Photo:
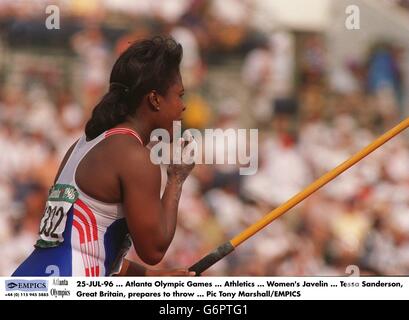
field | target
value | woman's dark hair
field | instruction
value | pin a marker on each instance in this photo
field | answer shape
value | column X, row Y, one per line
column 150, row 64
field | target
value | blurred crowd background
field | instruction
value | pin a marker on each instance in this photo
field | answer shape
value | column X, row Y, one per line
column 316, row 91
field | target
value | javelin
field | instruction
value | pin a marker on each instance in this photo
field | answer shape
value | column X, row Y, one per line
column 229, row 246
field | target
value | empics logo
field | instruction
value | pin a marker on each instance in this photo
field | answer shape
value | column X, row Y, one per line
column 26, row 285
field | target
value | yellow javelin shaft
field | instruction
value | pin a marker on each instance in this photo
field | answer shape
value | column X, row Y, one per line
column 229, row 246
column 317, row 184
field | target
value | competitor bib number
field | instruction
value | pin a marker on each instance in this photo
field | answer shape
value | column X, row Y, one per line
column 60, row 200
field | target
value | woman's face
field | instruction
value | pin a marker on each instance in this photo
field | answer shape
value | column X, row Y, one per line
column 172, row 106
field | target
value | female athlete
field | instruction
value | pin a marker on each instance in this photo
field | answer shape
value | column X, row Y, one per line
column 107, row 191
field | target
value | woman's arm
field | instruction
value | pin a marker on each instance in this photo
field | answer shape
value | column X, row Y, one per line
column 130, row 268
column 150, row 219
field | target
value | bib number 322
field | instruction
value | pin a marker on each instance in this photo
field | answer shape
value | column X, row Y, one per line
column 60, row 200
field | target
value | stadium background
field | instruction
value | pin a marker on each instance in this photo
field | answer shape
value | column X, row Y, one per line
column 316, row 91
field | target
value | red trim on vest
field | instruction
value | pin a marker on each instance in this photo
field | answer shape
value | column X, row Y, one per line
column 126, row 131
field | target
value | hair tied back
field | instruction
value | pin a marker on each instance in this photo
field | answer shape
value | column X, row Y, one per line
column 114, row 85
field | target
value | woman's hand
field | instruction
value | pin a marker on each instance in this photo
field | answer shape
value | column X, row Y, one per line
column 179, row 172
column 170, row 273
column 186, row 149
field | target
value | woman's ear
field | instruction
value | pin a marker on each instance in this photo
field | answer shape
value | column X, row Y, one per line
column 153, row 99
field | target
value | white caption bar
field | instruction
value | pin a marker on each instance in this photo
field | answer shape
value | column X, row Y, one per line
column 205, row 288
